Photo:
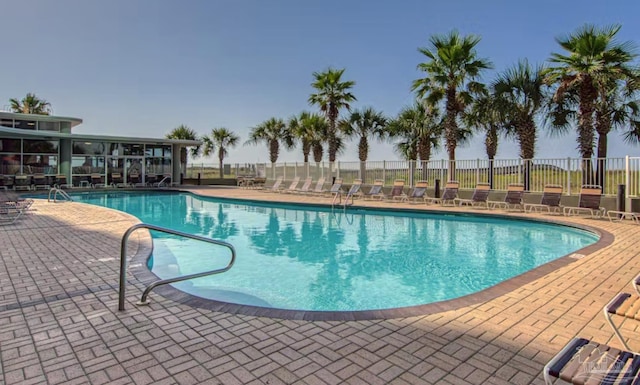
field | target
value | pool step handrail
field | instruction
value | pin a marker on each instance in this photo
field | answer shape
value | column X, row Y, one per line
column 153, row 285
column 163, row 181
column 55, row 191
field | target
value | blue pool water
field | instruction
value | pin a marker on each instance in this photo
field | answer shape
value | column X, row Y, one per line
column 313, row 259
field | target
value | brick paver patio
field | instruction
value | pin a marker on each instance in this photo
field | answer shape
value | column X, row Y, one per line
column 59, row 321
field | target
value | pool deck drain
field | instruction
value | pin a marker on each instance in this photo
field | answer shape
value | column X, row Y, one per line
column 59, row 321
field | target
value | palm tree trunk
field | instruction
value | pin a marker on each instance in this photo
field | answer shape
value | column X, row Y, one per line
column 363, row 152
column 527, row 139
column 221, row 158
column 491, row 145
column 585, row 129
column 333, row 143
column 451, row 131
column 603, row 126
column 274, row 149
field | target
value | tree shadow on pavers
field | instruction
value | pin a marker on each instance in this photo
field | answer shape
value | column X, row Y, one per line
column 65, row 249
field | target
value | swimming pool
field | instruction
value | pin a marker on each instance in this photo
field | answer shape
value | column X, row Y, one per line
column 310, row 258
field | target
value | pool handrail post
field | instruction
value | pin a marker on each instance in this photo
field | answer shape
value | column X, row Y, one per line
column 123, row 260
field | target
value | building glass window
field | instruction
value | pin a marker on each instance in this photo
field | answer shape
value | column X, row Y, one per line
column 25, row 124
column 6, row 122
column 40, row 146
column 49, row 126
column 88, row 148
column 132, row 149
column 158, row 151
column 10, row 145
column 40, row 164
column 9, row 164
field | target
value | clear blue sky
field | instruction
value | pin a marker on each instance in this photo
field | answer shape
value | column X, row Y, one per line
column 144, row 67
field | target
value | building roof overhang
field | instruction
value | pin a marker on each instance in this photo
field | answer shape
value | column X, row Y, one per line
column 48, row 135
column 42, row 118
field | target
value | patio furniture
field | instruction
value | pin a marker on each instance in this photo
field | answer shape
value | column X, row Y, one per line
column 583, row 361
column 479, row 197
column 375, row 192
column 513, row 199
column 589, row 202
column 449, row 195
column 550, row 201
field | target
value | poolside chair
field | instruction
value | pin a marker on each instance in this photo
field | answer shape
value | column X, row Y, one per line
column 8, row 182
column 626, row 306
column 417, row 193
column 619, row 216
column 305, row 186
column 513, row 199
column 376, row 191
column 22, row 182
column 61, row 181
column 319, row 189
column 116, row 180
column 550, row 200
column 292, row 187
column 589, row 202
column 397, row 191
column 9, row 199
column 96, row 181
column 9, row 215
column 151, row 179
column 583, row 361
column 276, row 185
column 354, row 190
column 336, row 187
column 449, row 195
column 479, row 197
column 134, row 179
column 40, row 181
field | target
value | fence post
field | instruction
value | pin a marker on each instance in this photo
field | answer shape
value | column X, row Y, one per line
column 284, row 171
column 295, row 169
column 384, row 170
column 627, row 182
column 443, row 170
column 568, row 176
column 477, row 170
column 337, row 169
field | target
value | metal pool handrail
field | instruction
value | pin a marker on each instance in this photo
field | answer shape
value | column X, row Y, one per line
column 55, row 191
column 123, row 261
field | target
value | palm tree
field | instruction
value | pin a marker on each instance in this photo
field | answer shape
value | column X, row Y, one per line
column 419, row 129
column 616, row 107
column 451, row 71
column 183, row 132
column 332, row 95
column 520, row 92
column 364, row 123
column 30, row 104
column 593, row 60
column 274, row 132
column 485, row 116
column 222, row 139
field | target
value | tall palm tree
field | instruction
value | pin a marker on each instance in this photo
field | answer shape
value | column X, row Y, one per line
column 364, row 123
column 304, row 128
column 616, row 107
column 520, row 90
column 274, row 132
column 419, row 129
column 30, row 104
column 452, row 71
column 183, row 132
column 332, row 94
column 485, row 116
column 594, row 58
column 222, row 139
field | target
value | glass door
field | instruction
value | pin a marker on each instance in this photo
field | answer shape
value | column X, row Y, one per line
column 133, row 171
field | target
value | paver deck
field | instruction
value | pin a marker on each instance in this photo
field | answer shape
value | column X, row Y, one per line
column 59, row 321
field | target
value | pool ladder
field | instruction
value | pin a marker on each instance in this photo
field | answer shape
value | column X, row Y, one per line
column 346, row 201
column 153, row 285
column 55, row 192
